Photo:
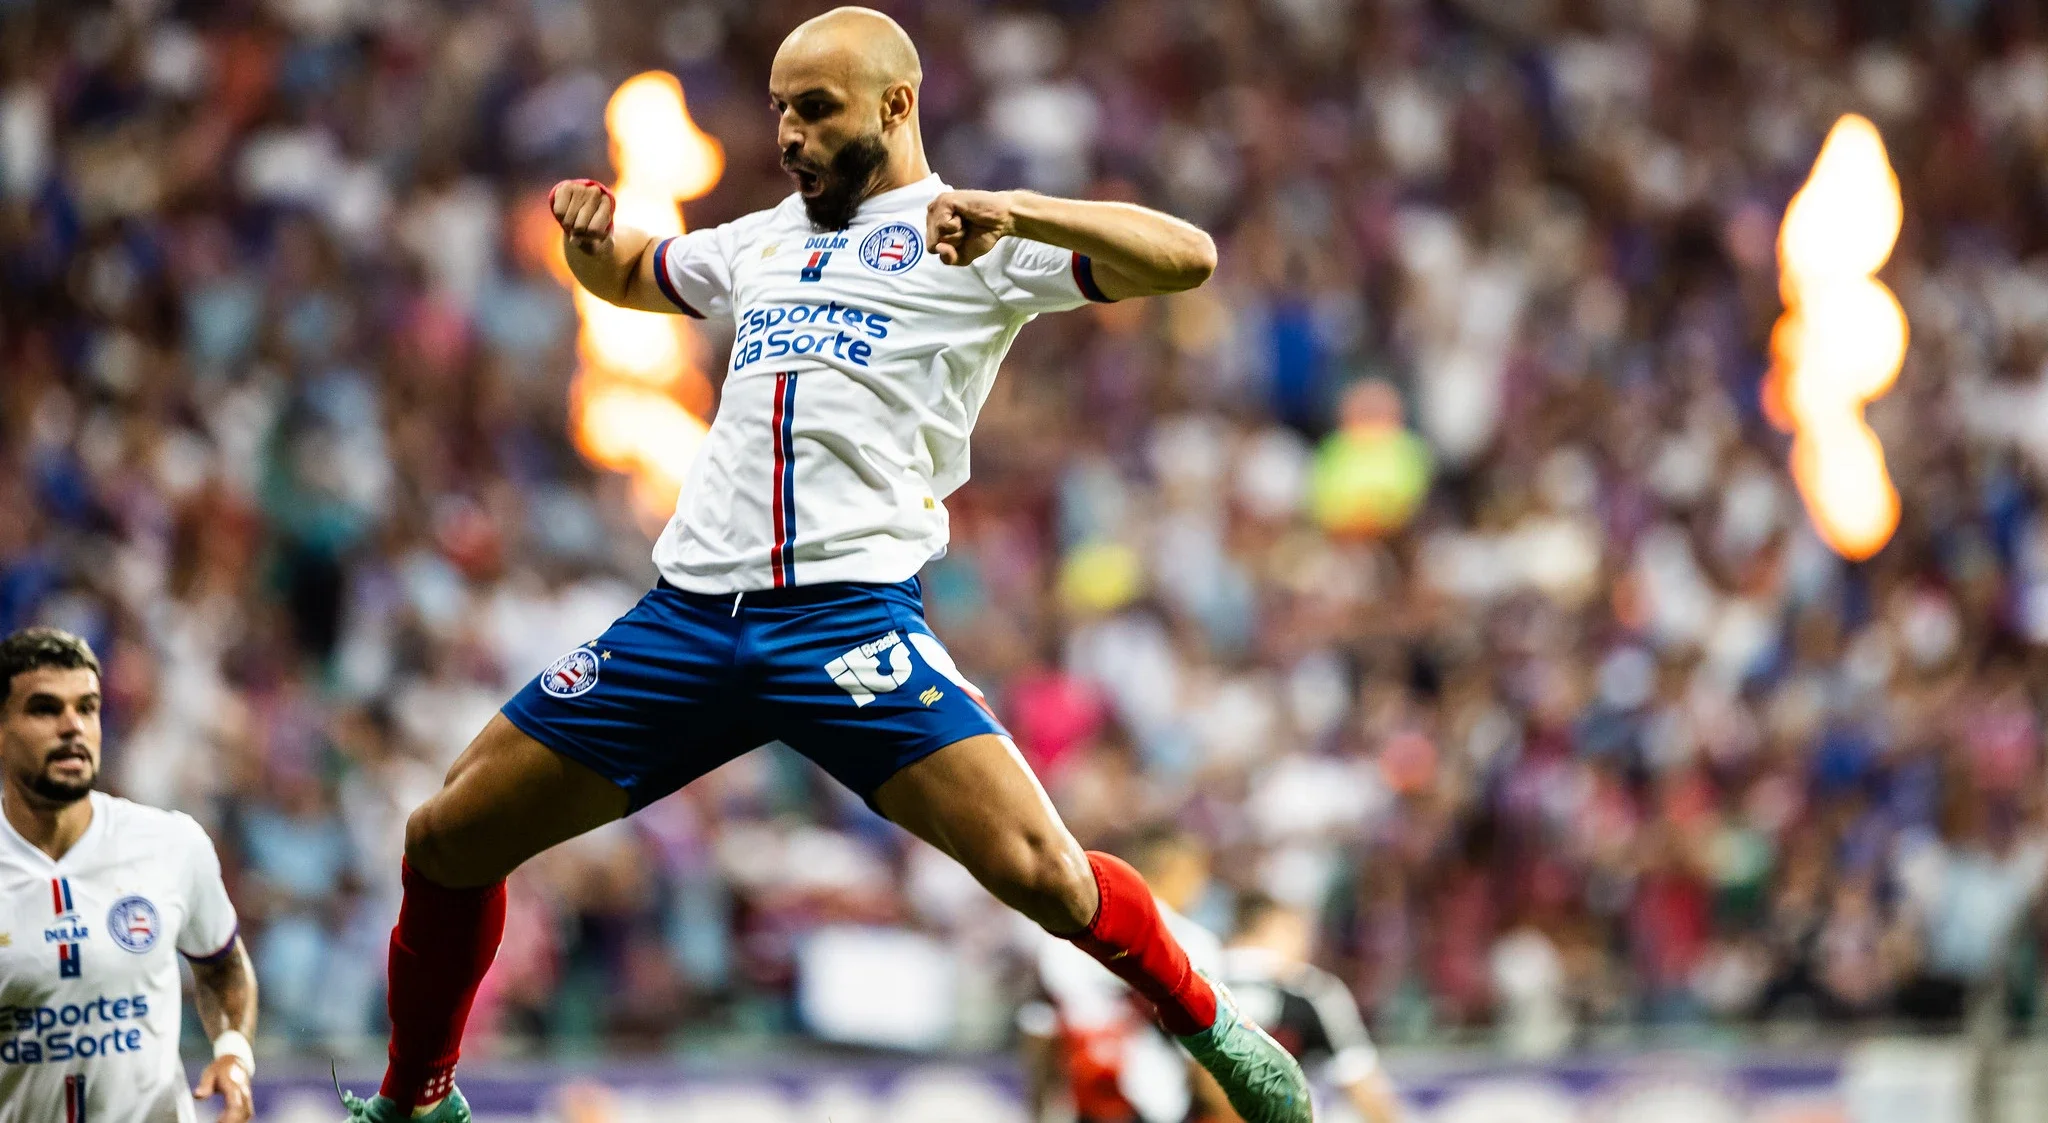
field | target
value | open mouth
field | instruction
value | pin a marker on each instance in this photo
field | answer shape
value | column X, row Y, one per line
column 808, row 183
column 69, row 758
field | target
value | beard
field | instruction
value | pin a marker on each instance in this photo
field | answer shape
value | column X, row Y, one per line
column 62, row 792
column 844, row 182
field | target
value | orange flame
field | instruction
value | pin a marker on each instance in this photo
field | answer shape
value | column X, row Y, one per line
column 637, row 402
column 1842, row 338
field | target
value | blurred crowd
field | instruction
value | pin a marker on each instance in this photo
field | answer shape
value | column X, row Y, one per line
column 1434, row 568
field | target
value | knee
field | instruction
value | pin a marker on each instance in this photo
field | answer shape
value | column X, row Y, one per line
column 424, row 849
column 1045, row 877
column 433, row 852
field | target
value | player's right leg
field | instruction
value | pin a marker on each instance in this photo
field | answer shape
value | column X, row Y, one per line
column 507, row 798
column 607, row 729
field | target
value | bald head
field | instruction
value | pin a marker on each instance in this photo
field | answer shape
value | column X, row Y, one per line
column 844, row 87
column 859, row 44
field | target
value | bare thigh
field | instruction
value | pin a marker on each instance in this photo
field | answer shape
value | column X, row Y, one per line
column 507, row 798
column 978, row 802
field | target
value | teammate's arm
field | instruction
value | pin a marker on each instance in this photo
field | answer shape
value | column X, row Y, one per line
column 615, row 263
column 1209, row 1105
column 225, row 992
column 1354, row 1065
column 1374, row 1098
column 1038, row 1052
column 1134, row 251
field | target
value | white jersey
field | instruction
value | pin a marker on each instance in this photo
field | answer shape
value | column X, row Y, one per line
column 89, row 945
column 859, row 362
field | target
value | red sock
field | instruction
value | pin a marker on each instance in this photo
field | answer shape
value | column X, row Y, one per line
column 1129, row 937
column 444, row 942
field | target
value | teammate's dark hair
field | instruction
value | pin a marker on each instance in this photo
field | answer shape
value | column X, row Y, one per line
column 32, row 649
column 1154, row 844
column 1253, row 907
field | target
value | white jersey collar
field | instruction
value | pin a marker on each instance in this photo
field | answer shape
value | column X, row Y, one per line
column 93, row 830
column 893, row 199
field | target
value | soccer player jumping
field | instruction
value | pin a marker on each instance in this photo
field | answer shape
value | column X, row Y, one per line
column 870, row 310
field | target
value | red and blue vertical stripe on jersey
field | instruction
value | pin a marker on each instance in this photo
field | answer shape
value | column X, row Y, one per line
column 69, row 960
column 815, row 271
column 782, row 507
column 74, row 1099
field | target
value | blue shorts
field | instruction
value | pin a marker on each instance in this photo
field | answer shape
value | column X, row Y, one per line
column 848, row 675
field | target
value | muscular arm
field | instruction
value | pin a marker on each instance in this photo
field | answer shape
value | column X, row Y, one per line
column 225, row 992
column 615, row 263
column 1134, row 251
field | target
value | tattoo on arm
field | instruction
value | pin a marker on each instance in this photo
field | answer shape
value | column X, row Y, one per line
column 225, row 991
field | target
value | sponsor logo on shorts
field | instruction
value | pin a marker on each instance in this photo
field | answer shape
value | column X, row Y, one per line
column 941, row 660
column 892, row 248
column 572, row 675
column 132, row 923
column 862, row 672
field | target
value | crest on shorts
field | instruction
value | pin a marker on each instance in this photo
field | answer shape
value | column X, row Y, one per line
column 892, row 248
column 132, row 923
column 571, row 675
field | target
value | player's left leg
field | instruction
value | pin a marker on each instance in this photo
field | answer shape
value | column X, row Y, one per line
column 978, row 801
column 853, row 678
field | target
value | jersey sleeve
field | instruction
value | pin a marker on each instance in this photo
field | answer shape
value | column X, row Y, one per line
column 1033, row 277
column 694, row 271
column 210, row 921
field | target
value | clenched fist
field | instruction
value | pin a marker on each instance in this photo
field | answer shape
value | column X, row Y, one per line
column 963, row 225
column 584, row 208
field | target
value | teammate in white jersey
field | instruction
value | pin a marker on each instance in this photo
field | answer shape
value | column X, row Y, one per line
column 98, row 899
column 870, row 310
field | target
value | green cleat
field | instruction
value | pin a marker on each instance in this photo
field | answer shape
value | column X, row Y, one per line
column 377, row 1109
column 1261, row 1081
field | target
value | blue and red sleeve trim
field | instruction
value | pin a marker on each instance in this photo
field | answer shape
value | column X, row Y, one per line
column 1084, row 279
column 668, row 287
column 213, row 957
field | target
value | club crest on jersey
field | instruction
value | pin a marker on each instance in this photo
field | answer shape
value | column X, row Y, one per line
column 891, row 248
column 132, row 923
column 572, row 675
